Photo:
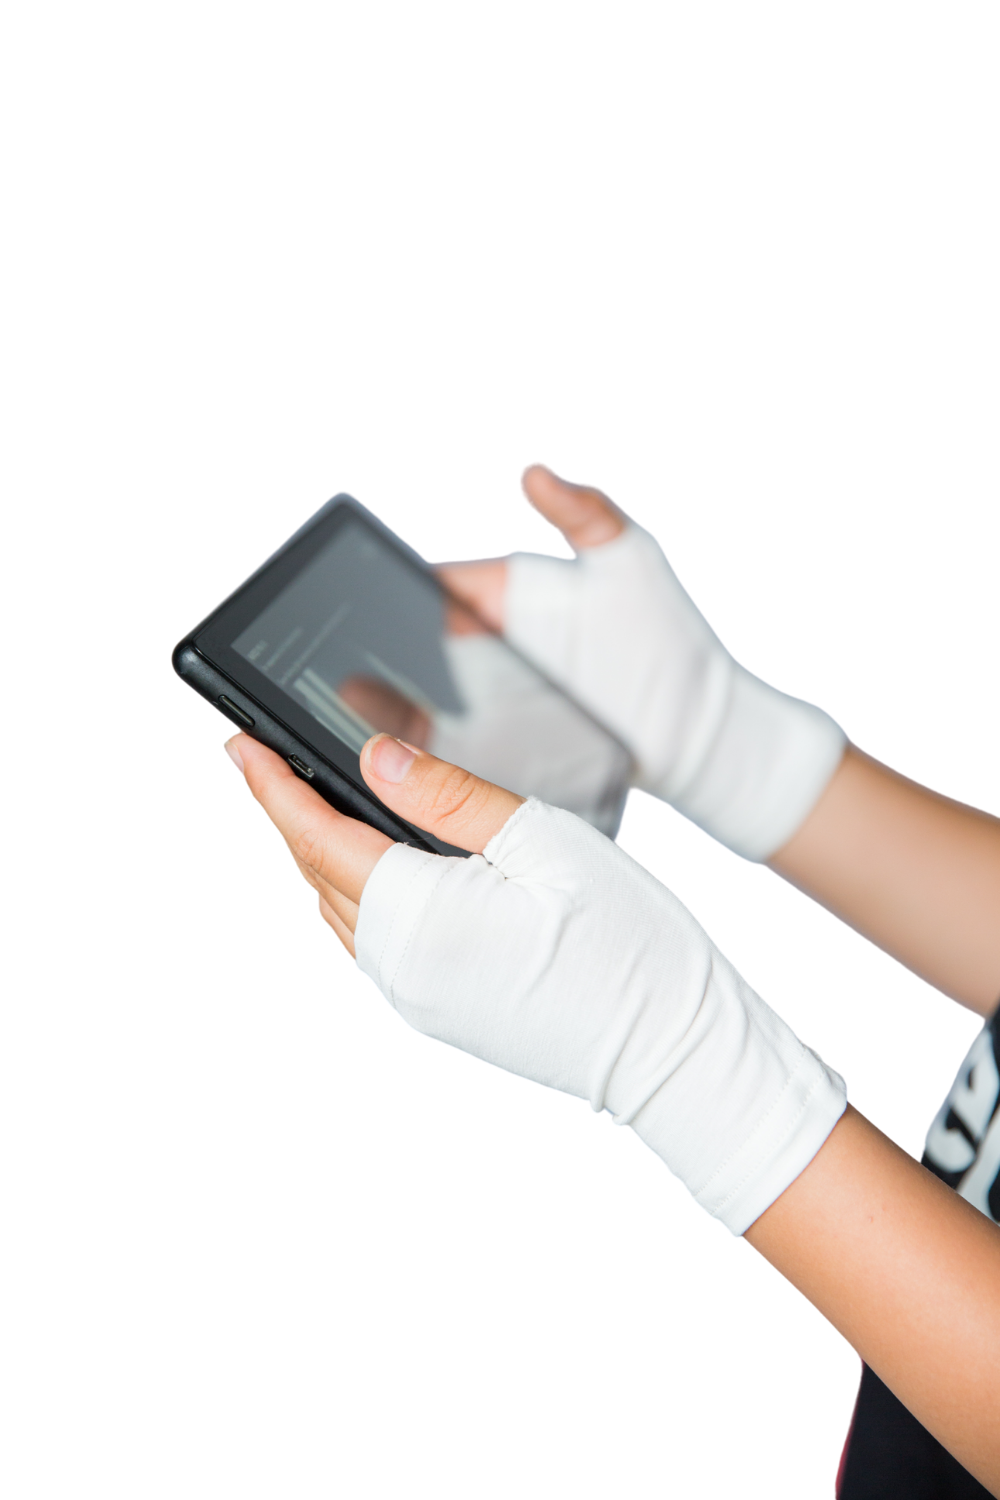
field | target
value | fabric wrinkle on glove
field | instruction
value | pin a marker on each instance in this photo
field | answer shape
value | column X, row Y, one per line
column 556, row 956
column 617, row 630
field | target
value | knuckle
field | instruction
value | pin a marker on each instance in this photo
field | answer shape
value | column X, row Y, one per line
column 457, row 796
column 308, row 847
column 308, row 875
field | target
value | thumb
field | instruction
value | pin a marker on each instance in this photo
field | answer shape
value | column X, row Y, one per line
column 585, row 517
column 440, row 798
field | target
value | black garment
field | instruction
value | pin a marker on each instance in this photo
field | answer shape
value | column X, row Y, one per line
column 889, row 1455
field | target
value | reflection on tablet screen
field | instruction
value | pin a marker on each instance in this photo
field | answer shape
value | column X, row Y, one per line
column 366, row 641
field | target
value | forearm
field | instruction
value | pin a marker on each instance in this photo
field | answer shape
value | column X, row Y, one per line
column 915, row 872
column 908, row 1272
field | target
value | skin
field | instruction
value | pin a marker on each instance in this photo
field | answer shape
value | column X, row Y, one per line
column 916, row 873
column 903, row 1267
column 908, row 1272
column 913, row 871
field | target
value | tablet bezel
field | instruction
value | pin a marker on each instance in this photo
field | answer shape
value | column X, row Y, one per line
column 213, row 640
column 207, row 661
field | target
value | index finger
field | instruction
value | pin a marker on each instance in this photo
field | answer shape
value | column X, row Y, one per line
column 342, row 851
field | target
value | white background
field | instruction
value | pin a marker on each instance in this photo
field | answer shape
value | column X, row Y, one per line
column 737, row 264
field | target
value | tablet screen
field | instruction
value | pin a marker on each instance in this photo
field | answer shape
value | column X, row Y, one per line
column 365, row 640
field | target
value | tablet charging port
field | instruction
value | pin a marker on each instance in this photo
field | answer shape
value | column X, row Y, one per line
column 301, row 767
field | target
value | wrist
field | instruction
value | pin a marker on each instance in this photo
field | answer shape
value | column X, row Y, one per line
column 767, row 766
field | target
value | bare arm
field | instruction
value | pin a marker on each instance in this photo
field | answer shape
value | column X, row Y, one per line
column 909, row 1273
column 915, row 872
column 903, row 1267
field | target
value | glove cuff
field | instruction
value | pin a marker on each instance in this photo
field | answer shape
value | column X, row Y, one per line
column 776, row 1141
column 766, row 768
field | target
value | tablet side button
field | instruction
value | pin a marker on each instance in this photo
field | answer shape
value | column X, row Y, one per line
column 236, row 714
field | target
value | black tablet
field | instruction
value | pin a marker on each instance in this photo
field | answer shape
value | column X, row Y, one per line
column 346, row 631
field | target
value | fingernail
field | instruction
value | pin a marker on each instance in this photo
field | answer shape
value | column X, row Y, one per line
column 235, row 756
column 390, row 759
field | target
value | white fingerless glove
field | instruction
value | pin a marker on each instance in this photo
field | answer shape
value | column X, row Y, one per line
column 556, row 956
column 617, row 630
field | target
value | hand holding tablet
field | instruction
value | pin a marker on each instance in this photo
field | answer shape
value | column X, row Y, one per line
column 551, row 953
column 345, row 632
